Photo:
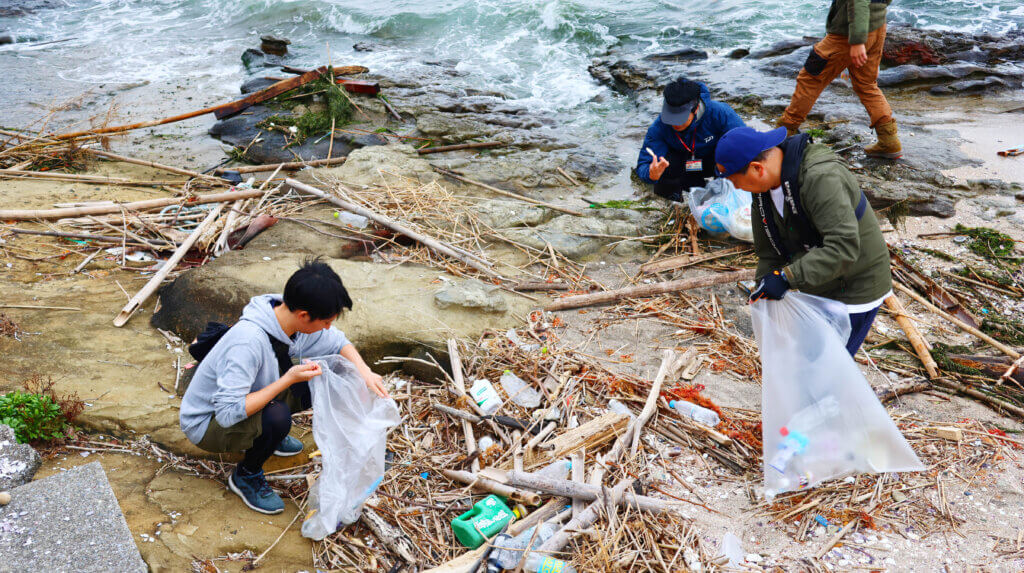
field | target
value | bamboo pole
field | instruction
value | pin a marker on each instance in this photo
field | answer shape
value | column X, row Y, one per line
column 429, row 242
column 155, row 165
column 493, row 189
column 460, row 386
column 913, row 335
column 222, row 110
column 458, row 146
column 680, row 261
column 491, row 486
column 152, row 243
column 24, row 214
column 290, row 166
column 963, row 326
column 74, row 177
column 584, row 491
column 154, row 283
column 650, row 290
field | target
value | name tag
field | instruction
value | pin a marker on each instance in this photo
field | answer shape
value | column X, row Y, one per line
column 695, row 165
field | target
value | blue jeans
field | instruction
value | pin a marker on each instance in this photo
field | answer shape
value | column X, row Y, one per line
column 860, row 325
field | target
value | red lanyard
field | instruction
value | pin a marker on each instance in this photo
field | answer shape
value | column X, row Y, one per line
column 693, row 143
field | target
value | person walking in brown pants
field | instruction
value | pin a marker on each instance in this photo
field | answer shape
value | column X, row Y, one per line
column 854, row 42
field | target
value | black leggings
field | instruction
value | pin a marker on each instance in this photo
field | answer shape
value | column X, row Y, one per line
column 676, row 179
column 276, row 423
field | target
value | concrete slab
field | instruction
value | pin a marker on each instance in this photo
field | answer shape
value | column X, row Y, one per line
column 67, row 522
column 18, row 462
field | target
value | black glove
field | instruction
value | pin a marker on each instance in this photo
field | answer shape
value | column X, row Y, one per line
column 773, row 286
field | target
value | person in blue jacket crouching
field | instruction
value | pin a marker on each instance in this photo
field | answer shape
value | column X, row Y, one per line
column 679, row 148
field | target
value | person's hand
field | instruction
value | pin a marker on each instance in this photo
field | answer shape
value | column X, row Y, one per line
column 658, row 167
column 858, row 55
column 772, row 287
column 302, row 372
column 375, row 383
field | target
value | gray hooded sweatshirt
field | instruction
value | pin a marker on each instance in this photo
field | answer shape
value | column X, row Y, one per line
column 243, row 361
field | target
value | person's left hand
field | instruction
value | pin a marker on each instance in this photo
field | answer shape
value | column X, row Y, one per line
column 773, row 286
column 858, row 55
column 375, row 383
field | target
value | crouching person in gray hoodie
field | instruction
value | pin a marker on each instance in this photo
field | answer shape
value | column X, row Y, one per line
column 245, row 389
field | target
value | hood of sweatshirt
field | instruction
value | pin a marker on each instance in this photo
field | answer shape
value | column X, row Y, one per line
column 260, row 310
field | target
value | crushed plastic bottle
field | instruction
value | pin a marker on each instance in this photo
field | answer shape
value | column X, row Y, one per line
column 694, row 412
column 509, row 550
column 519, row 391
column 620, row 408
column 537, row 563
column 798, row 432
column 485, row 396
column 558, row 470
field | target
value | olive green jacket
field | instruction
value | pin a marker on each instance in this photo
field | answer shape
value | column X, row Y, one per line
column 856, row 18
column 852, row 265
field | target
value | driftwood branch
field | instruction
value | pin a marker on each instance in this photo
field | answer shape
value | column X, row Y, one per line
column 291, row 166
column 649, row 290
column 491, row 486
column 505, row 193
column 458, row 146
column 585, row 491
column 429, row 242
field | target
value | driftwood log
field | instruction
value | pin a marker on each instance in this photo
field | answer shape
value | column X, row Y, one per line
column 106, row 208
column 650, row 290
column 585, row 491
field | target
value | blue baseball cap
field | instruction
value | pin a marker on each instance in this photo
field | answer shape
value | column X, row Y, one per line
column 740, row 145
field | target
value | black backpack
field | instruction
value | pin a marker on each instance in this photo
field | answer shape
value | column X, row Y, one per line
column 214, row 331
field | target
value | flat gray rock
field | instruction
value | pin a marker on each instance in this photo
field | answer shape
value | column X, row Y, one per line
column 471, row 293
column 67, row 522
column 18, row 462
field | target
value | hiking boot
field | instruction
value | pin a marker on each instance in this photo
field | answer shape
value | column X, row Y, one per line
column 254, row 491
column 888, row 145
column 289, row 446
column 791, row 130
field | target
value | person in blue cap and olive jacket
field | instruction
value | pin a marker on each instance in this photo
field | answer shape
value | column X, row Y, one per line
column 679, row 148
column 814, row 229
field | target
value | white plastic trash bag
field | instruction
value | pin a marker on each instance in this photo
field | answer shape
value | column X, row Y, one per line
column 350, row 426
column 721, row 208
column 821, row 420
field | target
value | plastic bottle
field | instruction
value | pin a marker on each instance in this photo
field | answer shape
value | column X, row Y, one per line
column 519, row 391
column 797, row 433
column 694, row 412
column 558, row 470
column 537, row 563
column 509, row 550
column 620, row 408
column 485, row 396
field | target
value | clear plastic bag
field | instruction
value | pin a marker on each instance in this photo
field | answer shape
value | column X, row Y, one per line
column 350, row 427
column 821, row 419
column 721, row 208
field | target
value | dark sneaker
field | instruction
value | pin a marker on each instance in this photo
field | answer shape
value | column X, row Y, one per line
column 255, row 492
column 289, row 446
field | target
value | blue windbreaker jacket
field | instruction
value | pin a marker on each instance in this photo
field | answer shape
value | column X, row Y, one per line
column 717, row 119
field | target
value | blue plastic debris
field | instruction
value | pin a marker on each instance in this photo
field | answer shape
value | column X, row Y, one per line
column 821, row 520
